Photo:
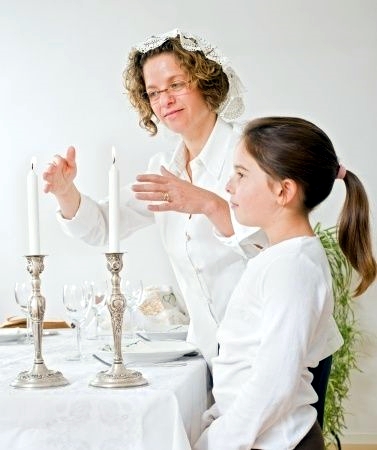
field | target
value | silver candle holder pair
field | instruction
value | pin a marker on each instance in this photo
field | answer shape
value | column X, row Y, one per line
column 39, row 376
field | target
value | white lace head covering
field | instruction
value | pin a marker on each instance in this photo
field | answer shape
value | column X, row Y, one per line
column 233, row 106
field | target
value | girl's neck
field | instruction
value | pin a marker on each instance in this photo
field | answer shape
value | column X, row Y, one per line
column 289, row 229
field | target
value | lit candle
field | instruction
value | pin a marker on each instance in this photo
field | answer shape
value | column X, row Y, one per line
column 113, row 206
column 33, row 210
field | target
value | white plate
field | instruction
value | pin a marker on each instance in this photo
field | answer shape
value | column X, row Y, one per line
column 154, row 351
column 11, row 334
column 175, row 332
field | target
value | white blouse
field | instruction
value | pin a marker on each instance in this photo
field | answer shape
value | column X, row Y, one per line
column 206, row 268
column 278, row 323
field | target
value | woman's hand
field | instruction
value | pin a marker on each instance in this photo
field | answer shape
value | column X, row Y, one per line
column 60, row 173
column 58, row 178
column 174, row 194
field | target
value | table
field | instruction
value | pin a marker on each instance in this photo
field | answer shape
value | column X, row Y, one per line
column 165, row 415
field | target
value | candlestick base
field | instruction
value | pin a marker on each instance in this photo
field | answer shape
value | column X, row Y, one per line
column 118, row 376
column 39, row 376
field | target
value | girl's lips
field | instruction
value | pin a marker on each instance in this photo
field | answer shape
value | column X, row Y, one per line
column 233, row 205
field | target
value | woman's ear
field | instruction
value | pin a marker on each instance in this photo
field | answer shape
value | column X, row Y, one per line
column 286, row 191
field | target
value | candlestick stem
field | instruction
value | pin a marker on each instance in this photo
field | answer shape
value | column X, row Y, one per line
column 39, row 376
column 118, row 376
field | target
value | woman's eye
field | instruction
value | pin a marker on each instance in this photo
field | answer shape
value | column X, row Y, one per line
column 152, row 94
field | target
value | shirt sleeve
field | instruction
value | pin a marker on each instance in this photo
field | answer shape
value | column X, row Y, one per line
column 246, row 241
column 293, row 298
column 90, row 224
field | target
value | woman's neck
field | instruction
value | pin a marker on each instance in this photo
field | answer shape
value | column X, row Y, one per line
column 197, row 139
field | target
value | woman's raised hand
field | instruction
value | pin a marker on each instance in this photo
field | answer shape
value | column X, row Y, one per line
column 170, row 193
column 60, row 173
column 167, row 192
column 58, row 178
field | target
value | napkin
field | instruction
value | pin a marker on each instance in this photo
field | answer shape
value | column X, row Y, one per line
column 20, row 322
column 159, row 308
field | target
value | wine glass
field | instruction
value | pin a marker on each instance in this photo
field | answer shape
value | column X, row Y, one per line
column 76, row 303
column 97, row 292
column 133, row 293
column 23, row 293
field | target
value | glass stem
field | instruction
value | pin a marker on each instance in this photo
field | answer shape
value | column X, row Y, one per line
column 78, row 338
column 28, row 328
column 97, row 325
column 132, row 324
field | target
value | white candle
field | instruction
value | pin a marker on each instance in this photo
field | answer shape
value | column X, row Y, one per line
column 113, row 206
column 33, row 210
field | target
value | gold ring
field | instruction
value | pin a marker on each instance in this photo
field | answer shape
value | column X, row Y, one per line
column 165, row 197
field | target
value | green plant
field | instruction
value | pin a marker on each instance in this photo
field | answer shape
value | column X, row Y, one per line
column 345, row 359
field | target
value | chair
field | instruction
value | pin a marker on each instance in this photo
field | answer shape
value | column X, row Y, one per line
column 321, row 375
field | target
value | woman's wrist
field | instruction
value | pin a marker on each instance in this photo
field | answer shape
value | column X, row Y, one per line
column 218, row 212
column 69, row 202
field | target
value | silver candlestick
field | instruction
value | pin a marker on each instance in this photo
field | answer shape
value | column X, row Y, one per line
column 39, row 376
column 118, row 376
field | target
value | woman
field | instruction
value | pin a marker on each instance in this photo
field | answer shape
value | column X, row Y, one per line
column 181, row 82
column 278, row 320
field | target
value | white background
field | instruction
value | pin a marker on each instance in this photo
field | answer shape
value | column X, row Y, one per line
column 60, row 84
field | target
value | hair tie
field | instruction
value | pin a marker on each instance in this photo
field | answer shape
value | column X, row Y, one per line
column 341, row 172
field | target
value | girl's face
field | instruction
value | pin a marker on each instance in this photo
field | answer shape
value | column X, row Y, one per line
column 254, row 194
column 183, row 111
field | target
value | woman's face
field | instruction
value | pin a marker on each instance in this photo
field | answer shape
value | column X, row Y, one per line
column 184, row 111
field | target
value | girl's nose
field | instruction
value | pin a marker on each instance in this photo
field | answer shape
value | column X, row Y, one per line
column 228, row 186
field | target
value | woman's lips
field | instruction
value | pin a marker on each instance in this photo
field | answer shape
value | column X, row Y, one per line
column 171, row 113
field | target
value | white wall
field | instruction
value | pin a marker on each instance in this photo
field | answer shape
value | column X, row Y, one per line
column 60, row 84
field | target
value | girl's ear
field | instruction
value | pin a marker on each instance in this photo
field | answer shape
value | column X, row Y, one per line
column 286, row 191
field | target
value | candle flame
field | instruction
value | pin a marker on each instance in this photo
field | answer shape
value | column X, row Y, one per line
column 113, row 153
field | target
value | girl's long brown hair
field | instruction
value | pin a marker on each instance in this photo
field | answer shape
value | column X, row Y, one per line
column 290, row 147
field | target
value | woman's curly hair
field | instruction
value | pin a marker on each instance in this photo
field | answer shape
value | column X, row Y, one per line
column 207, row 75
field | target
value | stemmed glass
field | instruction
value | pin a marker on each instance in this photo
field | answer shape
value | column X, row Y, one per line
column 134, row 297
column 76, row 303
column 22, row 293
column 97, row 292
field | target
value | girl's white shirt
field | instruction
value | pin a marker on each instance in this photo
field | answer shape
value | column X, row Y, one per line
column 278, row 323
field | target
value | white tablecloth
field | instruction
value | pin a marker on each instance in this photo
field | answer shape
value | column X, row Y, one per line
column 165, row 415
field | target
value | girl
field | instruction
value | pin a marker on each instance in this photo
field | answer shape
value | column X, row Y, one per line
column 277, row 321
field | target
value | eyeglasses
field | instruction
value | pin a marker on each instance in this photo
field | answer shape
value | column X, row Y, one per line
column 175, row 88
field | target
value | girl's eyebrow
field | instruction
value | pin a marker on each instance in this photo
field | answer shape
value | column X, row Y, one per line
column 240, row 167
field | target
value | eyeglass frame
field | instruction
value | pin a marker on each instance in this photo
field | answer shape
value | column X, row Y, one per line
column 156, row 94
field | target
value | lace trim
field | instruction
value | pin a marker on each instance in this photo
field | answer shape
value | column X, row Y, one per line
column 233, row 106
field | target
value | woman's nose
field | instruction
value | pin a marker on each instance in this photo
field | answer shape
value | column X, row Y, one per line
column 166, row 98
